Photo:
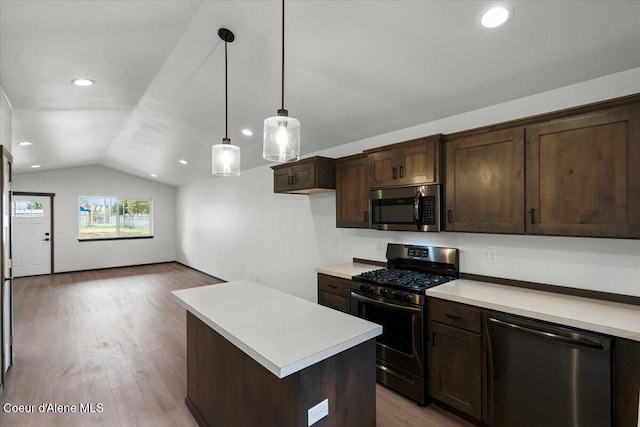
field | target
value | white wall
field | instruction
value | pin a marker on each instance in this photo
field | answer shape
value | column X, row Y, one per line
column 69, row 184
column 238, row 228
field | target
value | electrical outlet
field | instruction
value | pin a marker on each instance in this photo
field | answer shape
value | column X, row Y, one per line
column 492, row 255
column 318, row 412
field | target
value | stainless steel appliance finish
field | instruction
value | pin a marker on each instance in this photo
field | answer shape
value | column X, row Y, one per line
column 406, row 208
column 547, row 375
column 394, row 298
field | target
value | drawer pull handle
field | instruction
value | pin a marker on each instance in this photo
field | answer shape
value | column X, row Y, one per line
column 333, row 286
column 453, row 316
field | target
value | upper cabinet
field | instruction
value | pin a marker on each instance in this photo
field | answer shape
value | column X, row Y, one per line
column 583, row 175
column 569, row 173
column 352, row 192
column 485, row 183
column 407, row 163
column 308, row 176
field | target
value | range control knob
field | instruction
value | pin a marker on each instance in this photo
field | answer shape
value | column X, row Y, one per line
column 385, row 292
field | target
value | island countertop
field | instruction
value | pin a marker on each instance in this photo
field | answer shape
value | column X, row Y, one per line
column 283, row 333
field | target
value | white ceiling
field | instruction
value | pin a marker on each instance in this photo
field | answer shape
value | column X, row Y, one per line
column 354, row 69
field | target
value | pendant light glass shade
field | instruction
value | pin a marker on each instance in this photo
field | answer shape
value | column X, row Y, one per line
column 281, row 133
column 281, row 139
column 225, row 159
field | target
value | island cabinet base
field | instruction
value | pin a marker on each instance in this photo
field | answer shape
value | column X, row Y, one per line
column 226, row 387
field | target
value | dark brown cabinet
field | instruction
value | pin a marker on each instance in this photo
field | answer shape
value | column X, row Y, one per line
column 580, row 175
column 308, row 176
column 583, row 175
column 407, row 163
column 456, row 355
column 334, row 292
column 352, row 192
column 627, row 382
column 484, row 189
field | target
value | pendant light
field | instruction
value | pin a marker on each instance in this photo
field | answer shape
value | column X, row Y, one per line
column 225, row 157
column 281, row 132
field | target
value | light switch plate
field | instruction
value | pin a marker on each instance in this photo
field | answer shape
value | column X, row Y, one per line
column 318, row 412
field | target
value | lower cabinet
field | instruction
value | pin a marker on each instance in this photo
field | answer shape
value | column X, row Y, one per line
column 456, row 356
column 627, row 383
column 334, row 292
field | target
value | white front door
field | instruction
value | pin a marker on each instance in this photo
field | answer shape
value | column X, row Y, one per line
column 31, row 235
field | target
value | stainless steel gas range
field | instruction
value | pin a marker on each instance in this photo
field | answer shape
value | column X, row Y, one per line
column 394, row 298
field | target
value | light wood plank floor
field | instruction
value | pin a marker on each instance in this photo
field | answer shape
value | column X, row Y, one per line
column 116, row 338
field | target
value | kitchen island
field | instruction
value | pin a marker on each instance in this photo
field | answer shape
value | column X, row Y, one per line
column 260, row 357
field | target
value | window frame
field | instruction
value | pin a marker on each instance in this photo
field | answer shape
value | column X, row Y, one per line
column 118, row 235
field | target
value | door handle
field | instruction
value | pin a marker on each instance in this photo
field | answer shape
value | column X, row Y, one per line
column 394, row 173
column 45, row 240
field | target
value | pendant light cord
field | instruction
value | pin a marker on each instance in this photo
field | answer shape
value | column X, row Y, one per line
column 283, row 54
column 226, row 103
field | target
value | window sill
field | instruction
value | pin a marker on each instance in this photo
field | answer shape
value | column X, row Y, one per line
column 102, row 239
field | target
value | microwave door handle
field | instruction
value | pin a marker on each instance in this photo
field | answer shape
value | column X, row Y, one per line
column 417, row 205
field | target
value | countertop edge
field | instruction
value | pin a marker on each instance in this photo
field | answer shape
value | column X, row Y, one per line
column 340, row 270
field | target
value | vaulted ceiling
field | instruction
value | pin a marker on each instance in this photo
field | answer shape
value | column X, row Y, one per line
column 354, row 69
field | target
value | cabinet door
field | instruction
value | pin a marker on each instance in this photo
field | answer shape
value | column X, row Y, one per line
column 417, row 164
column 455, row 368
column 334, row 301
column 383, row 169
column 627, row 383
column 352, row 193
column 484, row 190
column 281, row 179
column 583, row 177
column 303, row 175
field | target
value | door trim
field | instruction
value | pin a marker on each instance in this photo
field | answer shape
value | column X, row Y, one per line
column 51, row 199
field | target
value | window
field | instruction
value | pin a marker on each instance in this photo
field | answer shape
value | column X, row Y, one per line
column 27, row 209
column 102, row 217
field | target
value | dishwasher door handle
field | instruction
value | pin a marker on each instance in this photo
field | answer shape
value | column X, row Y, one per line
column 579, row 342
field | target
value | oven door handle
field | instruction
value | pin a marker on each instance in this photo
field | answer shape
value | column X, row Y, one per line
column 384, row 304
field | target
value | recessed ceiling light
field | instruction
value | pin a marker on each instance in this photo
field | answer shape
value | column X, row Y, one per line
column 24, row 143
column 247, row 132
column 82, row 82
column 35, row 166
column 182, row 161
column 154, row 175
column 495, row 15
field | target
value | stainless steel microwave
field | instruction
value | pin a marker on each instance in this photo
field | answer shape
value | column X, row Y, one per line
column 406, row 208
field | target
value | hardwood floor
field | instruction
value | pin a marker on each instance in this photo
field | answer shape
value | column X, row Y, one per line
column 115, row 338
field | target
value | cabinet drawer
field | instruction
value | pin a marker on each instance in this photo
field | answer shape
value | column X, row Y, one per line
column 334, row 285
column 334, row 301
column 454, row 314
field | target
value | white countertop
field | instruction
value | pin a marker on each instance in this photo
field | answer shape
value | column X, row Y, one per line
column 611, row 318
column 347, row 270
column 283, row 333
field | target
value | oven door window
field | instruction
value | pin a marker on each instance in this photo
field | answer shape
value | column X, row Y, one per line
column 397, row 326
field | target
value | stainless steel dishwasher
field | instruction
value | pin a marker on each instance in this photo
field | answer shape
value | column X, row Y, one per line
column 541, row 374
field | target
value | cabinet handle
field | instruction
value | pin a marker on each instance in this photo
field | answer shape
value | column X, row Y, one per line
column 332, row 286
column 433, row 338
column 532, row 213
column 289, row 180
column 450, row 216
column 294, row 180
column 395, row 173
column 366, row 216
column 453, row 316
column 401, row 172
